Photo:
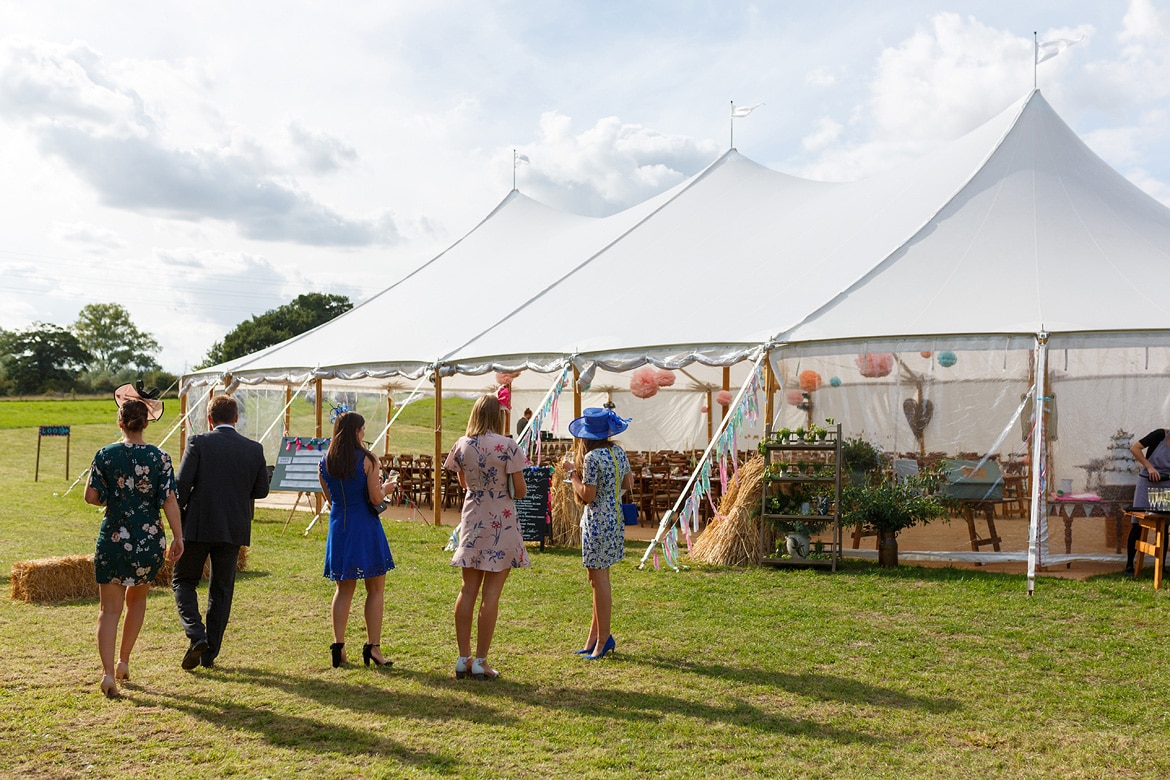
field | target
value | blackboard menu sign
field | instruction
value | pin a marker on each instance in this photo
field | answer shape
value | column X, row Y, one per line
column 534, row 509
column 296, row 464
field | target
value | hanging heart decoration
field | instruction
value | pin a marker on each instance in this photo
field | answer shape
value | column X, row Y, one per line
column 918, row 415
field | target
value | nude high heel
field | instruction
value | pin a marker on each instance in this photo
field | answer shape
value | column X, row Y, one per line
column 480, row 671
column 110, row 687
column 122, row 671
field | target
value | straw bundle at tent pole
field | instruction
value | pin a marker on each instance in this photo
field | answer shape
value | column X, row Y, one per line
column 566, row 512
column 71, row 577
column 734, row 538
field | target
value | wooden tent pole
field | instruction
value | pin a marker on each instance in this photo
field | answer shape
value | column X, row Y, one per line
column 576, row 392
column 770, row 383
column 437, row 464
column 727, row 388
column 317, row 404
column 182, row 424
column 287, row 408
column 710, row 416
column 389, row 417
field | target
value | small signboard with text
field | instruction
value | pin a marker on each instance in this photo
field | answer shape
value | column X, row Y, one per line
column 296, row 464
column 533, row 510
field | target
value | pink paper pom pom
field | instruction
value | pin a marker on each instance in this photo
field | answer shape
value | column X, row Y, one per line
column 664, row 377
column 504, row 394
column 809, row 381
column 794, row 397
column 703, row 409
column 643, row 383
column 723, row 398
column 925, row 355
column 506, row 378
column 875, row 364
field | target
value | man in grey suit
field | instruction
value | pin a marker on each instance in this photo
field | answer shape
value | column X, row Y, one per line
column 220, row 476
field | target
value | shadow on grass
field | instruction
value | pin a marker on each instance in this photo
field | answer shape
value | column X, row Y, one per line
column 362, row 697
column 304, row 734
column 819, row 686
column 630, row 705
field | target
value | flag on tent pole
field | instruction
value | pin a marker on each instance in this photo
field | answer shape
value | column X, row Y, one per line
column 1046, row 50
column 742, row 111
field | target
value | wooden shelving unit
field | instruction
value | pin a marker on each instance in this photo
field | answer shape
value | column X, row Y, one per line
column 795, row 470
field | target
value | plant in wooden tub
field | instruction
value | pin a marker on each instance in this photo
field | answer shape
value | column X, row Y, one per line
column 888, row 505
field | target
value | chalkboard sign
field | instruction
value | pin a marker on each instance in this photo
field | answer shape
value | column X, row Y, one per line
column 534, row 509
column 54, row 430
column 296, row 464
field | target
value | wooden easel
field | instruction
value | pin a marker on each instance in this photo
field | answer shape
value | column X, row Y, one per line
column 51, row 430
column 309, row 501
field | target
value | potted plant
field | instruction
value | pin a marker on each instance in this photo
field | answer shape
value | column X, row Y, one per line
column 888, row 505
column 861, row 459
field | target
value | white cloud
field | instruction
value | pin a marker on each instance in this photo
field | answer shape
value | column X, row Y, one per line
column 827, row 131
column 608, row 167
column 820, row 77
column 88, row 236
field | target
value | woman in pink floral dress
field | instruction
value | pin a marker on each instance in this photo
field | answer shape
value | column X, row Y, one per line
column 490, row 543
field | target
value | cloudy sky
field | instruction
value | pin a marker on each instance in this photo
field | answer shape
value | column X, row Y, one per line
column 201, row 162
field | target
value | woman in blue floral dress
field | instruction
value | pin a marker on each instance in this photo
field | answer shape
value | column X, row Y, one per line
column 596, row 472
column 490, row 541
column 132, row 480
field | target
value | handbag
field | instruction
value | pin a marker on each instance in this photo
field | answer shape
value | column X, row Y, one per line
column 629, row 511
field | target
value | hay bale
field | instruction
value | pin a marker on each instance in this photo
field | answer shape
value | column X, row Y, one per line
column 733, row 538
column 46, row 580
column 163, row 580
column 566, row 512
column 70, row 577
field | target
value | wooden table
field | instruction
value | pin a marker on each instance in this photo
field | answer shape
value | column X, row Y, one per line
column 1111, row 511
column 1156, row 522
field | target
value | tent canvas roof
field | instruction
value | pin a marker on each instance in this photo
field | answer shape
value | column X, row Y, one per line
column 1015, row 228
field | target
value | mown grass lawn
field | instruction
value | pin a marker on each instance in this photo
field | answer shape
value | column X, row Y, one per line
column 915, row 672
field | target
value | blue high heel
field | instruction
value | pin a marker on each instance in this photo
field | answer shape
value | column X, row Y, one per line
column 586, row 650
column 608, row 647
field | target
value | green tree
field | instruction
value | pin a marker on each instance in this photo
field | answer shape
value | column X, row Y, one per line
column 42, row 358
column 276, row 325
column 106, row 331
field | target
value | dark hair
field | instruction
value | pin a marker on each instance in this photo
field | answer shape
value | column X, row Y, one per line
column 223, row 409
column 132, row 416
column 339, row 459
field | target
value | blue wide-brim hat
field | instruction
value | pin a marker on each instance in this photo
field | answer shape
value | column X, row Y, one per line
column 595, row 423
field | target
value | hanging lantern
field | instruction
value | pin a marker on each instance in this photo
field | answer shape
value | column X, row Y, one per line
column 875, row 364
column 809, row 381
column 643, row 382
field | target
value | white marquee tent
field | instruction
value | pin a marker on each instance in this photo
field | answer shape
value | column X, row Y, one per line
column 1013, row 249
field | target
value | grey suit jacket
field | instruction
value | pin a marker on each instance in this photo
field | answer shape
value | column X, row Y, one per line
column 220, row 476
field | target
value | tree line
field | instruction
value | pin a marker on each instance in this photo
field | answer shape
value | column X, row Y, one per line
column 103, row 348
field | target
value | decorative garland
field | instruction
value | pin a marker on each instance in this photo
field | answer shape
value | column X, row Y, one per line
column 530, row 440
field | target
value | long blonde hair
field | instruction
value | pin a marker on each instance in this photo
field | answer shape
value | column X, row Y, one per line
column 487, row 416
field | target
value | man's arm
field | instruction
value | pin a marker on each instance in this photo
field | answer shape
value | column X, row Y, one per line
column 188, row 468
column 260, row 486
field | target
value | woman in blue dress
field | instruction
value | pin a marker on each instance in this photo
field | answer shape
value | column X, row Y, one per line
column 132, row 480
column 597, row 470
column 355, row 547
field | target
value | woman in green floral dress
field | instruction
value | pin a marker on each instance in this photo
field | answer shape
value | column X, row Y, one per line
column 132, row 480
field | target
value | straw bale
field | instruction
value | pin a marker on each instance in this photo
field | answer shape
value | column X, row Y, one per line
column 70, row 577
column 60, row 578
column 733, row 538
column 566, row 512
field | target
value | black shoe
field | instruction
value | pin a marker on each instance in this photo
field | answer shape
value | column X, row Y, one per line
column 191, row 658
column 207, row 661
column 1129, row 570
column 368, row 655
column 337, row 649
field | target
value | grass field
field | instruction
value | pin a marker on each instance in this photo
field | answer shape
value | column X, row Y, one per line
column 867, row 673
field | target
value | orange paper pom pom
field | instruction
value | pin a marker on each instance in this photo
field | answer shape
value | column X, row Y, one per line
column 809, row 381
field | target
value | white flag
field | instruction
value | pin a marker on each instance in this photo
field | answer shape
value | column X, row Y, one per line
column 738, row 111
column 520, row 158
column 1046, row 50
